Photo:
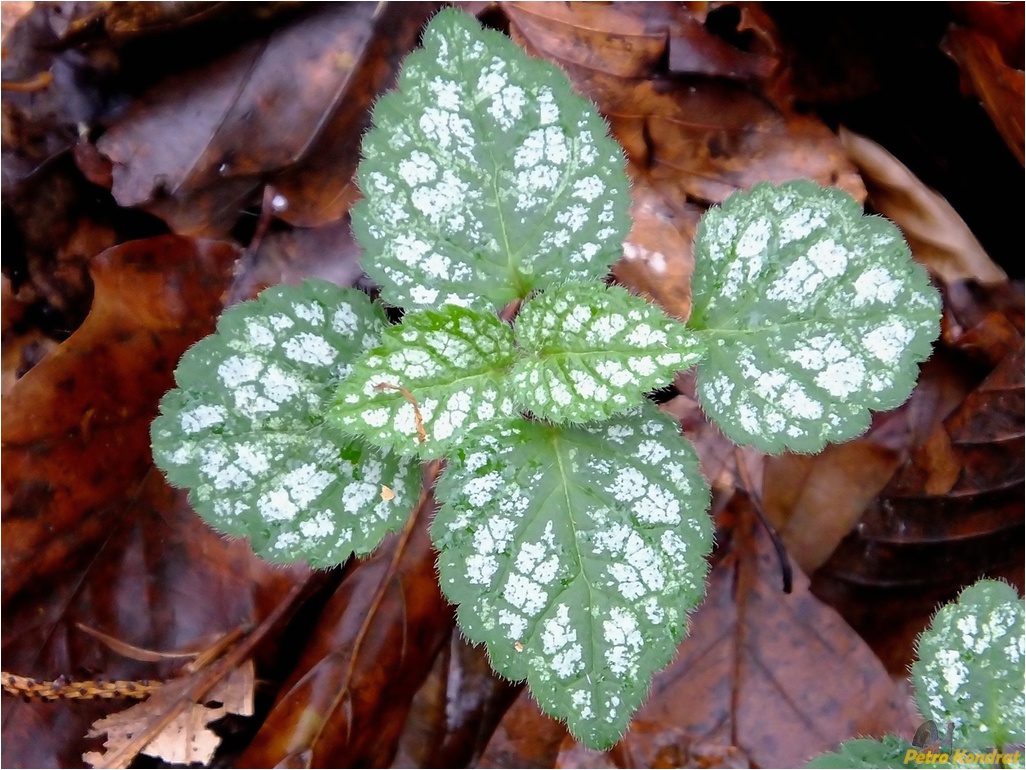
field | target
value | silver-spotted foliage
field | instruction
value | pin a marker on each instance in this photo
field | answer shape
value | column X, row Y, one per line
column 970, row 673
column 245, row 431
column 972, row 665
column 575, row 554
column 811, row 314
column 573, row 533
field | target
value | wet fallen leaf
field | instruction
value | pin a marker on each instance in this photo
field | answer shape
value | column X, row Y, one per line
column 697, row 140
column 119, row 22
column 187, row 739
column 290, row 256
column 48, row 93
column 953, row 511
column 454, row 713
column 24, row 343
column 525, row 737
column 195, row 148
column 76, row 426
column 1004, row 23
column 1001, row 88
column 632, row 41
column 161, row 579
column 939, row 238
column 814, row 501
column 13, row 11
column 703, row 143
column 658, row 255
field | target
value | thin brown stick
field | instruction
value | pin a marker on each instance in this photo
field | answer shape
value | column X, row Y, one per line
column 197, row 689
column 778, row 544
column 421, row 433
column 35, row 83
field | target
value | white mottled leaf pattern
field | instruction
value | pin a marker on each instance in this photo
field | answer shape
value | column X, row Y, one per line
column 811, row 313
column 485, row 177
column 245, row 429
column 575, row 554
column 590, row 351
column 438, row 376
column 971, row 667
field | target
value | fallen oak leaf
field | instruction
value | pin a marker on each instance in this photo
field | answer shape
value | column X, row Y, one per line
column 187, row 738
column 86, row 408
column 194, row 689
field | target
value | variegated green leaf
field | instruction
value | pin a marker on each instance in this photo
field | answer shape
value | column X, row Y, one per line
column 972, row 665
column 433, row 379
column 245, row 429
column 589, row 351
column 485, row 177
column 811, row 313
column 575, row 554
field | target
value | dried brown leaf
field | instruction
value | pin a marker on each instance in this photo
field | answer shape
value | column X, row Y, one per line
column 188, row 739
column 815, row 500
column 525, row 737
column 698, row 140
column 161, row 580
column 953, row 512
column 1000, row 87
column 291, row 256
column 455, row 711
column 24, row 343
column 633, row 41
column 939, row 238
column 658, row 257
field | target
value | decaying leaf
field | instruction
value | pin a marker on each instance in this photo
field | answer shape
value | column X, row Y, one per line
column 629, row 40
column 1000, row 87
column 188, row 739
column 658, row 255
column 454, row 713
column 86, row 409
column 953, row 511
column 815, row 500
column 196, row 147
column 701, row 139
column 939, row 238
column 345, row 702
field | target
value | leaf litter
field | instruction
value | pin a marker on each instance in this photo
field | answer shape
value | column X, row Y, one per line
column 690, row 143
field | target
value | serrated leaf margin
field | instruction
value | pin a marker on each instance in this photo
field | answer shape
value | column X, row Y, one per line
column 641, row 528
column 244, row 429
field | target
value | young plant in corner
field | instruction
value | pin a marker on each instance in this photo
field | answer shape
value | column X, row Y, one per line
column 573, row 531
column 968, row 679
